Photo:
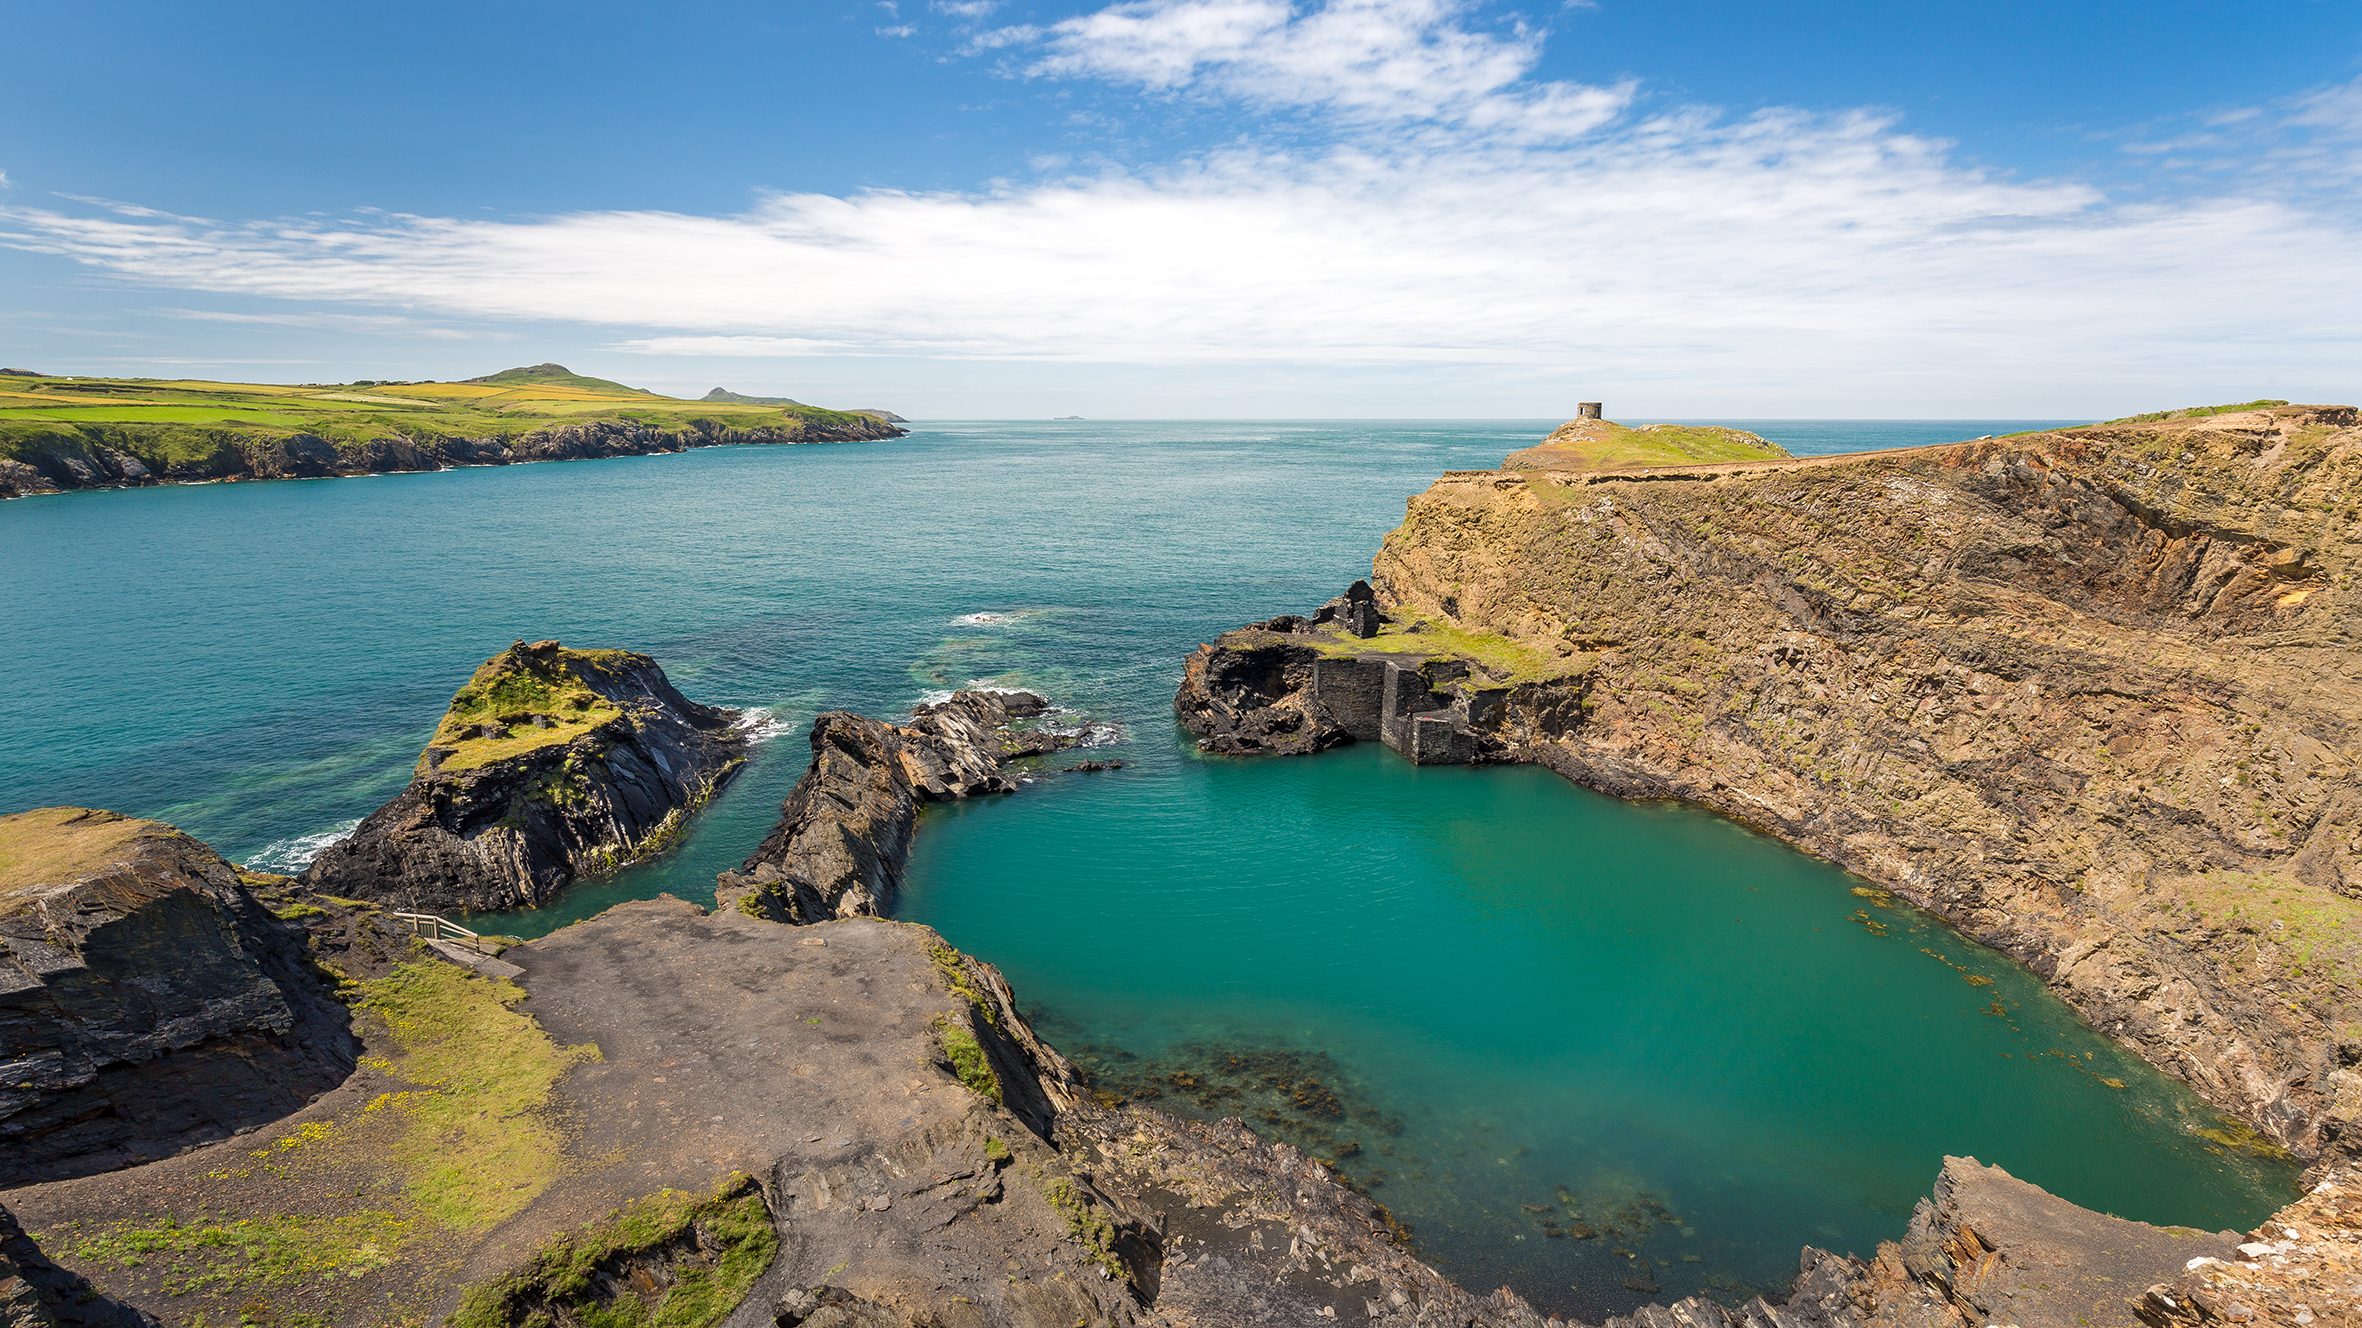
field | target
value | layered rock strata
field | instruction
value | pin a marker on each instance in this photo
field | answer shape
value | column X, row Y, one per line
column 86, row 459
column 843, row 836
column 2093, row 696
column 552, row 763
column 148, row 1002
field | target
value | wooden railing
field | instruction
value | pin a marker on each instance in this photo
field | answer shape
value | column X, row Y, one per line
column 434, row 927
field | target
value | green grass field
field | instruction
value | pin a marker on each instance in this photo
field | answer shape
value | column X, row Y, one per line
column 1607, row 445
column 171, row 420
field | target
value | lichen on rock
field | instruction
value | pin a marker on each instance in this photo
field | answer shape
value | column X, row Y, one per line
column 550, row 764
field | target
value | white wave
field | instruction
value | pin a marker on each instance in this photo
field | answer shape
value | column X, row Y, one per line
column 985, row 619
column 289, row 856
column 762, row 724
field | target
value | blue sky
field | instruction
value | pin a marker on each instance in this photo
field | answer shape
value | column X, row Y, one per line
column 1205, row 207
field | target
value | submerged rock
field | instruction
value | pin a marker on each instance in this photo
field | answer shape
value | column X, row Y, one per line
column 148, row 1002
column 552, row 763
column 843, row 835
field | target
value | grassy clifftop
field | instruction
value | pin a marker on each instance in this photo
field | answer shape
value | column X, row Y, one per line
column 1607, row 445
column 171, row 419
column 523, row 699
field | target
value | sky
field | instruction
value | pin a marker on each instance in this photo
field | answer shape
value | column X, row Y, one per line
column 1205, row 208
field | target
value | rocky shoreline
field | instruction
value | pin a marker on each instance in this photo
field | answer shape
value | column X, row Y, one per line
column 95, row 458
column 2048, row 687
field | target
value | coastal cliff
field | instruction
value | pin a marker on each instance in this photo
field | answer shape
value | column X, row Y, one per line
column 2090, row 695
column 148, row 1002
column 2094, row 696
column 59, row 434
column 550, row 764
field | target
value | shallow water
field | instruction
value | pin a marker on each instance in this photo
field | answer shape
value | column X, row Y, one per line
column 1471, row 988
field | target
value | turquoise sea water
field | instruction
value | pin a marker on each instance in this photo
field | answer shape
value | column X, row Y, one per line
column 1506, row 1005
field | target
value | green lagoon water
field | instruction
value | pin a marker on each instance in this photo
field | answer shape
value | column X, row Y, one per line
column 1482, row 992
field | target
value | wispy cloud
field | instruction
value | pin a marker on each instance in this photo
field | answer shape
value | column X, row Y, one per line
column 366, row 324
column 1740, row 254
column 1372, row 61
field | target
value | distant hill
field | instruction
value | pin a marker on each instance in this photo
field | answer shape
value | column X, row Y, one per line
column 740, row 398
column 558, row 375
column 725, row 394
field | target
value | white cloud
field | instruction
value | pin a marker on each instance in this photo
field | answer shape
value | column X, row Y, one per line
column 898, row 30
column 1782, row 257
column 1369, row 61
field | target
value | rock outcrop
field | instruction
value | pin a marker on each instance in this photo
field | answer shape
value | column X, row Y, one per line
column 35, row 1293
column 551, row 763
column 2303, row 1268
column 148, row 1002
column 2093, row 696
column 843, row 835
column 1986, row 1248
column 95, row 457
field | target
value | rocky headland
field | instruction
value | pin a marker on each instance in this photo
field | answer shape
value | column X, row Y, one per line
column 2093, row 696
column 843, row 836
column 550, row 764
column 59, row 434
column 148, row 1001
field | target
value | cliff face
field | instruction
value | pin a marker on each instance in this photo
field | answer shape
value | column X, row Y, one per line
column 148, row 1003
column 550, row 764
column 98, row 457
column 2093, row 696
column 843, row 835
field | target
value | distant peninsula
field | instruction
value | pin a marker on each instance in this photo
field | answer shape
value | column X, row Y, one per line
column 61, row 433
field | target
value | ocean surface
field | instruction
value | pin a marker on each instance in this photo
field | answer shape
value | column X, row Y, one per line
column 1603, row 1053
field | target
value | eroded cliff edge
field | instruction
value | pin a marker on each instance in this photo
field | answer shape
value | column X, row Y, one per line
column 2094, row 696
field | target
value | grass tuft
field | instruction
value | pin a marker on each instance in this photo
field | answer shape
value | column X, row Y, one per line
column 670, row 1260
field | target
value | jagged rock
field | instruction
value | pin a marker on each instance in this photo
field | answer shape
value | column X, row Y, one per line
column 35, row 1293
column 2301, row 1268
column 148, row 1002
column 843, row 835
column 550, row 764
